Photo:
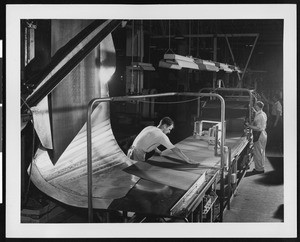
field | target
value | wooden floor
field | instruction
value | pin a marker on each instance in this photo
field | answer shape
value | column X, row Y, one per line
column 260, row 197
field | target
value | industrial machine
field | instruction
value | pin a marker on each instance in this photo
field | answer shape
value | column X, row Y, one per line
column 79, row 162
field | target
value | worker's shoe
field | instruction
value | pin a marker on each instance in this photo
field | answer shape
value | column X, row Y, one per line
column 257, row 172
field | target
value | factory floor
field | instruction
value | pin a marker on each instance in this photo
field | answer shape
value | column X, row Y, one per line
column 259, row 197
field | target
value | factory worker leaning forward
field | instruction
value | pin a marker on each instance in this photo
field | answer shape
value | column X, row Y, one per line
column 258, row 126
column 151, row 137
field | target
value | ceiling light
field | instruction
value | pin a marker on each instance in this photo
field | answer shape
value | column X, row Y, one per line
column 142, row 66
column 225, row 68
column 169, row 64
column 182, row 61
column 206, row 65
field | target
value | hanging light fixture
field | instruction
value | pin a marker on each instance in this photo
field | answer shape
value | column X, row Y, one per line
column 182, row 61
column 170, row 64
column 205, row 65
column 140, row 66
column 174, row 61
column 225, row 68
column 177, row 62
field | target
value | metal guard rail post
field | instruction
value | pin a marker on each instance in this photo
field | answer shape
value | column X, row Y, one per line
column 137, row 97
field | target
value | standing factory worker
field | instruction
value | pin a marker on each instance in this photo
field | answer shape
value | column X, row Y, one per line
column 259, row 138
column 276, row 111
column 276, row 124
column 151, row 137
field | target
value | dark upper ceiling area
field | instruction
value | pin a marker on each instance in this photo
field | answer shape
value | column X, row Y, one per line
column 196, row 38
column 270, row 30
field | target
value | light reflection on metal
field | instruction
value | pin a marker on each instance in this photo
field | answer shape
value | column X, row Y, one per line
column 142, row 66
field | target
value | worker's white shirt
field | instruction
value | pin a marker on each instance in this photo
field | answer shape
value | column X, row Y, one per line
column 260, row 120
column 150, row 138
column 277, row 107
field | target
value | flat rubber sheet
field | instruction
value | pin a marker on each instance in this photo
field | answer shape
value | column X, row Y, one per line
column 174, row 178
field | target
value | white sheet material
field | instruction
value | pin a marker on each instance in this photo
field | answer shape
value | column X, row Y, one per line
column 66, row 181
column 41, row 123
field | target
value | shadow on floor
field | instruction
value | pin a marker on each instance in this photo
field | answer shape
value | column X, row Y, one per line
column 273, row 177
column 279, row 213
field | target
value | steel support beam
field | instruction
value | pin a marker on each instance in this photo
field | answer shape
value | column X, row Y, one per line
column 69, row 57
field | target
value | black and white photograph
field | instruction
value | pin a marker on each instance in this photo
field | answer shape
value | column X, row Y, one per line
column 178, row 119
column 1, row 118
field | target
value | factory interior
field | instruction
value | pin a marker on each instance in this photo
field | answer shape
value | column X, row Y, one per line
column 89, row 87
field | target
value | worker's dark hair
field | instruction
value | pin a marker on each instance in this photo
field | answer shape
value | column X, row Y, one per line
column 277, row 96
column 260, row 104
column 166, row 120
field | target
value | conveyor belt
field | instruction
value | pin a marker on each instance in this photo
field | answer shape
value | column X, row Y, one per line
column 171, row 188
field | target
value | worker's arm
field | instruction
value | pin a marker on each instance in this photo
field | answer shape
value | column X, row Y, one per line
column 277, row 118
column 179, row 153
column 254, row 128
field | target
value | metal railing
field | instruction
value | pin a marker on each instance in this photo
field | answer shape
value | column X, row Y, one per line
column 128, row 98
column 250, row 92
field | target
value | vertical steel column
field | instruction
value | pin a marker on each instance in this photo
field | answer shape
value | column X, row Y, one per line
column 216, row 140
column 229, row 178
column 215, row 59
column 232, row 56
column 249, row 57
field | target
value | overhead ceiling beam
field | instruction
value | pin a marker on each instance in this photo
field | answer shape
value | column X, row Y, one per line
column 206, row 35
column 68, row 57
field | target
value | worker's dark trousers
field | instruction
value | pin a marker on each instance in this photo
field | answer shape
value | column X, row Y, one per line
column 275, row 140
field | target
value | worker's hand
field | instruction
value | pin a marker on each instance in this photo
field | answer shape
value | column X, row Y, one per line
column 190, row 161
column 158, row 153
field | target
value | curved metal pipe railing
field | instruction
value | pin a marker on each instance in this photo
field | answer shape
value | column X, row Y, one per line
column 137, row 97
column 234, row 90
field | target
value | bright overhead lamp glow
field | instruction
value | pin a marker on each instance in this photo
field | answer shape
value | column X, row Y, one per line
column 225, row 68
